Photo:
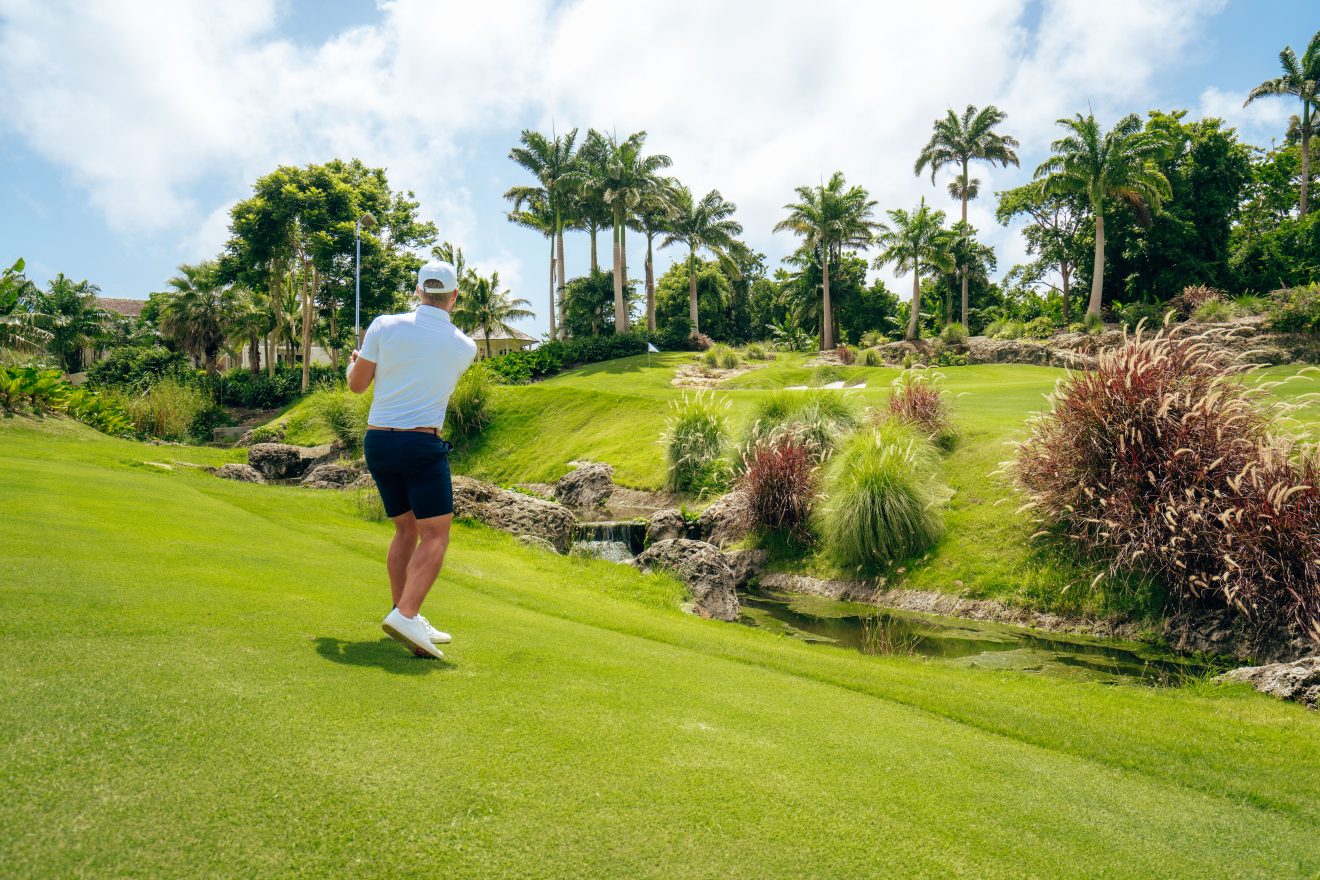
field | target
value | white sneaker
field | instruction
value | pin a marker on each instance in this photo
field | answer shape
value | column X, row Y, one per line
column 411, row 631
column 436, row 636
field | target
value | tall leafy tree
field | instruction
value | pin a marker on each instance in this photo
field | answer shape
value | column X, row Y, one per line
column 972, row 263
column 1120, row 165
column 484, row 308
column 829, row 217
column 1053, row 235
column 653, row 217
column 196, row 315
column 1301, row 80
column 628, row 178
column 913, row 241
column 706, row 225
column 961, row 140
column 247, row 320
column 66, row 316
column 590, row 212
column 553, row 162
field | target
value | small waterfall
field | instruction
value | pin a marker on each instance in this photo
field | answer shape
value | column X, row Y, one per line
column 615, row 541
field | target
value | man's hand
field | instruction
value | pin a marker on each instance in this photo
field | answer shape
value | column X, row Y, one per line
column 352, row 358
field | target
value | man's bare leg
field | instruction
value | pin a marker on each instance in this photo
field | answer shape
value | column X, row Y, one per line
column 425, row 564
column 401, row 553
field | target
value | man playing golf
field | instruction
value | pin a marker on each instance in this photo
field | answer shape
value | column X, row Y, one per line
column 415, row 360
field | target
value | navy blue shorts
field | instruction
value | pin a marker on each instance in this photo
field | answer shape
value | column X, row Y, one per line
column 411, row 470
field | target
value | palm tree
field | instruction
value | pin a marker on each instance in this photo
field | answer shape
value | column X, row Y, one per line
column 247, row 320
column 912, row 241
column 195, row 315
column 653, row 217
column 485, row 308
column 830, row 218
column 972, row 260
column 553, row 162
column 628, row 177
column 704, row 225
column 590, row 213
column 1300, row 81
column 453, row 255
column 960, row 141
column 1119, row 164
column 66, row 316
column 536, row 215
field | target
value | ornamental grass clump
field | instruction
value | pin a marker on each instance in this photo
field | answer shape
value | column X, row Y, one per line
column 779, row 483
column 1193, row 297
column 954, row 334
column 871, row 357
column 694, row 442
column 815, row 419
column 469, row 409
column 343, row 413
column 884, row 498
column 916, row 399
column 1163, row 461
column 720, row 356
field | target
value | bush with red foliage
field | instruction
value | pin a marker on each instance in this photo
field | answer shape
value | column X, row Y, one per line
column 1162, row 460
column 845, row 355
column 779, row 484
column 915, row 398
column 1193, row 297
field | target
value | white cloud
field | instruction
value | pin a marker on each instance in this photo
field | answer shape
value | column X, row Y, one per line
column 1257, row 123
column 147, row 104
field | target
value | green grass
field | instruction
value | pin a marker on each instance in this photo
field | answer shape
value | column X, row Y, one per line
column 193, row 684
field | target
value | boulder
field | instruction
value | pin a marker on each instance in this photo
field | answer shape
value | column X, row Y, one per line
column 724, row 521
column 514, row 512
column 281, row 461
column 746, row 565
column 703, row 568
column 587, row 487
column 665, row 525
column 537, row 542
column 1298, row 681
column 332, row 475
column 244, row 473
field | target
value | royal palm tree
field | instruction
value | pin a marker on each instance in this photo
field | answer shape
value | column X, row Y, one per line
column 536, row 215
column 194, row 317
column 590, row 213
column 704, row 225
column 914, row 241
column 484, row 308
column 959, row 141
column 66, row 316
column 830, row 218
column 453, row 255
column 1117, row 165
column 552, row 161
column 652, row 218
column 628, row 177
column 972, row 260
column 1300, row 80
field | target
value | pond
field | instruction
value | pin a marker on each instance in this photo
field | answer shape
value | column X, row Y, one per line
column 962, row 642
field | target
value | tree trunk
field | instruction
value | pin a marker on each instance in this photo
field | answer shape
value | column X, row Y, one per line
column 1306, row 166
column 650, row 285
column 254, row 355
column 1098, row 267
column 563, row 280
column 827, row 314
column 964, row 192
column 595, row 264
column 309, row 282
column 916, row 305
column 623, row 276
column 620, row 314
column 274, row 286
column 1065, row 271
column 487, row 343
column 965, row 321
column 334, row 335
column 692, row 290
column 553, row 326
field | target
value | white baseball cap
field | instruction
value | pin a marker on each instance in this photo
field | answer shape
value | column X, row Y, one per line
column 437, row 277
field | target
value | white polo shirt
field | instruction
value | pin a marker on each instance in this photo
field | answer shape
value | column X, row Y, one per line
column 419, row 357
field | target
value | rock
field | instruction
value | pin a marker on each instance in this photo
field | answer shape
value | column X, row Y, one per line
column 280, row 461
column 363, row 482
column 746, row 565
column 332, row 475
column 665, row 525
column 514, row 512
column 587, row 487
column 229, row 434
column 535, row 541
column 244, row 473
column 703, row 568
column 1298, row 681
column 724, row 521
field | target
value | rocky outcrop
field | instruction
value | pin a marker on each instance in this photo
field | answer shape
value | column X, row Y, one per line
column 665, row 525
column 587, row 487
column 244, row 473
column 514, row 512
column 724, row 521
column 746, row 565
column 703, row 568
column 1222, row 632
column 537, row 542
column 332, row 475
column 281, row 461
column 1298, row 681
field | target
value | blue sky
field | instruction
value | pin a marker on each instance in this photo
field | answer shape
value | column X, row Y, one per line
column 129, row 129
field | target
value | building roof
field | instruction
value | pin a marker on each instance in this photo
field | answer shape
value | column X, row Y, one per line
column 478, row 336
column 129, row 308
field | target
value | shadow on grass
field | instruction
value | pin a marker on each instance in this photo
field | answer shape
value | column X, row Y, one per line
column 383, row 653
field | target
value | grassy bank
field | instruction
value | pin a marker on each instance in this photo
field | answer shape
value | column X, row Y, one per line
column 192, row 683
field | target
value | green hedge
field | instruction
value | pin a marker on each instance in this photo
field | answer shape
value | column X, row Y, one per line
column 521, row 367
column 240, row 387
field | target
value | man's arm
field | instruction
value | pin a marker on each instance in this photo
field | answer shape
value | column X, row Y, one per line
column 360, row 373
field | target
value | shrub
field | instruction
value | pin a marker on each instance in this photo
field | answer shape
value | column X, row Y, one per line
column 814, row 419
column 267, row 434
column 1038, row 328
column 694, row 442
column 138, row 368
column 954, row 334
column 261, row 391
column 1093, row 324
column 883, row 497
column 344, row 413
column 469, row 406
column 949, row 358
column 1005, row 329
column 1133, row 314
column 872, row 339
column 98, row 411
column 871, row 357
column 1251, row 305
column 779, row 483
column 1295, row 310
column 1213, row 311
column 170, row 410
column 1192, row 298
column 846, row 355
column 1162, row 461
column 720, row 356
column 1076, row 327
column 757, row 352
column 916, row 399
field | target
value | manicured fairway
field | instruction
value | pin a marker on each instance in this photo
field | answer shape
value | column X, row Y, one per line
column 193, row 684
